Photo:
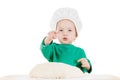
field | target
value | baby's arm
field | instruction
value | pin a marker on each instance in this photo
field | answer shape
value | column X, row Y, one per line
column 84, row 63
column 50, row 37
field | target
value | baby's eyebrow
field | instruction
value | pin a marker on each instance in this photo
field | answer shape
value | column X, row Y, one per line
column 60, row 28
column 70, row 28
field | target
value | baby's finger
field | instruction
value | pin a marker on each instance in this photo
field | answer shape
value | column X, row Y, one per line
column 55, row 34
column 56, row 31
column 83, row 65
column 80, row 60
column 50, row 33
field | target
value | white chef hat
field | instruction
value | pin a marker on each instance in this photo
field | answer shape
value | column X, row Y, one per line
column 66, row 13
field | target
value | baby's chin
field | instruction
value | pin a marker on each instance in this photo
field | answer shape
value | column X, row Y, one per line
column 65, row 42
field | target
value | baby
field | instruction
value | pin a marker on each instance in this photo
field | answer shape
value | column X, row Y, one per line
column 66, row 26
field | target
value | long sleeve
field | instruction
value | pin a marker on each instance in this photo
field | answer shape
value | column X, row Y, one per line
column 83, row 69
column 90, row 70
column 46, row 50
column 83, row 55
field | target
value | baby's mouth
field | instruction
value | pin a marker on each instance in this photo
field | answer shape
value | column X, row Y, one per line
column 64, row 38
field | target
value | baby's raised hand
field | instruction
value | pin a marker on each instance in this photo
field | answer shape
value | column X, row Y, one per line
column 84, row 63
column 51, row 35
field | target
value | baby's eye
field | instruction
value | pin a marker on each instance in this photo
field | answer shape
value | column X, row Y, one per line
column 70, row 30
column 61, row 30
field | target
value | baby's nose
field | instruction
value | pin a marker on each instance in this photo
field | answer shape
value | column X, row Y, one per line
column 65, row 33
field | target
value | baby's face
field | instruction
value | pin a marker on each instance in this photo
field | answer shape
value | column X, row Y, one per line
column 66, row 31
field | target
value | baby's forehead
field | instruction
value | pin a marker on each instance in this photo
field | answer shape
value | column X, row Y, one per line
column 65, row 24
column 65, row 20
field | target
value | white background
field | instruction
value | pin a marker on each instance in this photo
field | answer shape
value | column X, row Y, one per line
column 24, row 23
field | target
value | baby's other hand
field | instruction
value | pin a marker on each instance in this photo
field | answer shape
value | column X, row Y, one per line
column 84, row 63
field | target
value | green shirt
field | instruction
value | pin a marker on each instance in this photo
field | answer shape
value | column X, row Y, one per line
column 65, row 53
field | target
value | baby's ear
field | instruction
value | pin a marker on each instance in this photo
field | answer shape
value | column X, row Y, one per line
column 76, row 34
column 76, row 37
